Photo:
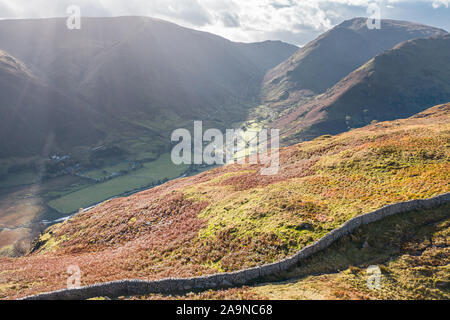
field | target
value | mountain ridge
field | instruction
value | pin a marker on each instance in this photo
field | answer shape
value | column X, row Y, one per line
column 396, row 83
column 323, row 62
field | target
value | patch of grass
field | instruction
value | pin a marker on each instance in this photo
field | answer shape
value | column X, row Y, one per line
column 61, row 191
column 108, row 170
column 411, row 250
column 231, row 294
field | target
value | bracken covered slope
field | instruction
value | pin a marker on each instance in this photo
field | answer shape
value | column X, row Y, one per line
column 232, row 218
column 412, row 251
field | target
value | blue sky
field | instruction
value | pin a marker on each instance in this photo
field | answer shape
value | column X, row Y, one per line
column 294, row 21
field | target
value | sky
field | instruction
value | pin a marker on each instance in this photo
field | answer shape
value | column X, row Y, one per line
column 293, row 21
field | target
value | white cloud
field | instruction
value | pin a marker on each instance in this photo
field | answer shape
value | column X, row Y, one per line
column 242, row 20
column 440, row 3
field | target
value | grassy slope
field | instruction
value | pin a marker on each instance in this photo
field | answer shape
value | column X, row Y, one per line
column 231, row 218
column 411, row 250
column 131, row 76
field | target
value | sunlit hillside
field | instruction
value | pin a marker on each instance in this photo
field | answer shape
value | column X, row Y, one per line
column 232, row 218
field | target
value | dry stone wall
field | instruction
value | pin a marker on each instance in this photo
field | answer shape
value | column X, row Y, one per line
column 226, row 280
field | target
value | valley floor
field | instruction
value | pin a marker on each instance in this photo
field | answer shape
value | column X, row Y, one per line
column 26, row 210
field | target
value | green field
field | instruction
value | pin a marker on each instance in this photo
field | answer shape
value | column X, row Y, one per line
column 107, row 171
column 162, row 168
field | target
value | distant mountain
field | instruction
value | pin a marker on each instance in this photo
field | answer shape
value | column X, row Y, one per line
column 323, row 62
column 33, row 114
column 140, row 74
column 395, row 84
